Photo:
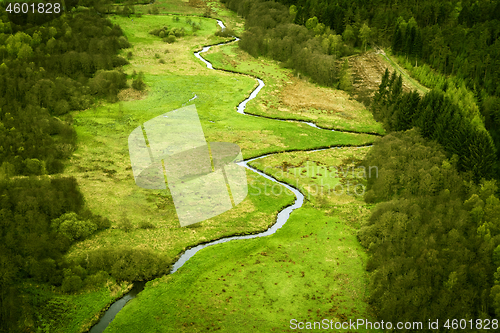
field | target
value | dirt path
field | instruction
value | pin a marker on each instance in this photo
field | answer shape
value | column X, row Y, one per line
column 367, row 70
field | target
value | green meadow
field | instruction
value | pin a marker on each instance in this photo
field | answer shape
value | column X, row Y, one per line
column 101, row 164
column 309, row 270
column 287, row 97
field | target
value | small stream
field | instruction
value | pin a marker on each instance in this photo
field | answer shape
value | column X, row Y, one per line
column 281, row 219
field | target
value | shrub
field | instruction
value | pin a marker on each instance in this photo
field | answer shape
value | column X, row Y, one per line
column 72, row 227
column 71, row 283
column 107, row 82
column 125, row 224
column 125, row 263
column 34, row 166
column 96, row 280
column 146, row 225
column 138, row 83
column 170, row 39
column 123, row 42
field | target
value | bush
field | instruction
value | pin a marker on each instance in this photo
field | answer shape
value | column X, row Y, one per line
column 72, row 227
column 61, row 107
column 96, row 280
column 34, row 167
column 107, row 82
column 170, row 39
column 119, row 61
column 125, row 263
column 138, row 83
column 195, row 27
column 71, row 284
column 125, row 224
column 146, row 225
column 123, row 42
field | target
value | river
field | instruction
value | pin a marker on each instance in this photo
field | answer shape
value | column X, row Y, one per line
column 281, row 219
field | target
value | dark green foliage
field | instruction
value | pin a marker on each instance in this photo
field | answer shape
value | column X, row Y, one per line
column 107, row 83
column 461, row 38
column 431, row 241
column 39, row 220
column 138, row 83
column 125, row 263
column 73, row 227
column 270, row 32
column 168, row 35
column 48, row 70
column 440, row 119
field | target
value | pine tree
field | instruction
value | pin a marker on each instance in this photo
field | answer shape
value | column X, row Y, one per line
column 397, row 41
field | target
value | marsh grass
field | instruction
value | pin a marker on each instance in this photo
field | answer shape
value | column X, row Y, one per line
column 310, row 269
column 74, row 313
column 287, row 97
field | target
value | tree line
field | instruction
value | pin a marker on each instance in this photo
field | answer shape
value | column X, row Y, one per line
column 45, row 72
column 458, row 129
column 313, row 50
column 459, row 39
column 434, row 237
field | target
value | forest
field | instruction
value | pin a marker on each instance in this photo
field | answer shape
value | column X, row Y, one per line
column 433, row 238
column 49, row 67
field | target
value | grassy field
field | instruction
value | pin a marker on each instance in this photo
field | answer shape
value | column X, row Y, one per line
column 102, row 166
column 101, row 163
column 309, row 270
column 287, row 97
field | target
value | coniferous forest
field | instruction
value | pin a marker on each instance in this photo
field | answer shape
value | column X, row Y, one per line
column 433, row 234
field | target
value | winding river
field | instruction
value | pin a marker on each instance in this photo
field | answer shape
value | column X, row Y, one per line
column 281, row 219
